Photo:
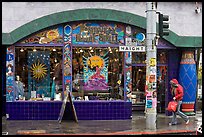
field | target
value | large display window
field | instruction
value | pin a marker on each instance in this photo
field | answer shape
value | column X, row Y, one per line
column 38, row 73
column 97, row 73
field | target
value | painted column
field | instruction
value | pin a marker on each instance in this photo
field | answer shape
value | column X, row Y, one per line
column 188, row 79
column 10, row 76
column 128, row 67
column 67, row 59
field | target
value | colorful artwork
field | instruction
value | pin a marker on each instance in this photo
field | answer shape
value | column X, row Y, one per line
column 149, row 103
column 53, row 36
column 138, row 37
column 96, row 72
column 98, row 33
column 39, row 72
column 128, row 69
column 10, row 93
column 188, row 79
column 67, row 57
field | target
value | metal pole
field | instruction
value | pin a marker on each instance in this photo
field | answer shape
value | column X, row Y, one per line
column 151, row 70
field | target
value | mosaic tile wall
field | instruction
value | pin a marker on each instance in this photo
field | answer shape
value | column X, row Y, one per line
column 92, row 110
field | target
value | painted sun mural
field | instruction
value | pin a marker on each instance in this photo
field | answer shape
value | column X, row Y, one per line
column 39, row 70
column 96, row 72
column 50, row 36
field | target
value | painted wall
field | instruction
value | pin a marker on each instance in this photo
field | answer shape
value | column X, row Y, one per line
column 182, row 14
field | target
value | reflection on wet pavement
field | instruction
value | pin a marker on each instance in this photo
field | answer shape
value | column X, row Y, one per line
column 68, row 127
column 136, row 124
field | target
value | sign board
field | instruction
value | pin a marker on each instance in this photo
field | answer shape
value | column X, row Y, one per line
column 132, row 48
column 64, row 106
column 72, row 107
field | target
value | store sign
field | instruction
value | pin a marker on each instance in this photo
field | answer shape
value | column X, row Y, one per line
column 88, row 34
column 132, row 48
column 97, row 33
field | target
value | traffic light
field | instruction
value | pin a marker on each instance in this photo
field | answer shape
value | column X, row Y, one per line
column 163, row 25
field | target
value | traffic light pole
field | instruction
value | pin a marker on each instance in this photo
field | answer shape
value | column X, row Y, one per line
column 151, row 70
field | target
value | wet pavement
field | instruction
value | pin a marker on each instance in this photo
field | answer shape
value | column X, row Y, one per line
column 136, row 125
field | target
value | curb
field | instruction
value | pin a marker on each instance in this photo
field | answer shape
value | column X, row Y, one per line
column 173, row 132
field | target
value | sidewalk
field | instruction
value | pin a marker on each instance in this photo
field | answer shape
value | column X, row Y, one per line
column 136, row 126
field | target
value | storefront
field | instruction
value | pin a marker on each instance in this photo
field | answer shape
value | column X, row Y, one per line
column 84, row 57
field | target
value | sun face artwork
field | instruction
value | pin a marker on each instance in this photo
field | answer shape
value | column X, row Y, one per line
column 38, row 70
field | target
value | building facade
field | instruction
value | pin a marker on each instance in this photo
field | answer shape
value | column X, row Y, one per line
column 87, row 52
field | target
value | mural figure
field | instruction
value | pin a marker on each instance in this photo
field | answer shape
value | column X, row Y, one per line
column 96, row 72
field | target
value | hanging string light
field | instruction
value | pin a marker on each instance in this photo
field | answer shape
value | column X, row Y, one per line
column 53, row 49
column 21, row 50
column 55, row 60
column 34, row 49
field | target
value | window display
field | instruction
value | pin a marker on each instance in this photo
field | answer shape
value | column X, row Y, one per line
column 96, row 72
column 38, row 73
column 139, row 74
column 139, row 79
column 161, row 57
column 138, row 57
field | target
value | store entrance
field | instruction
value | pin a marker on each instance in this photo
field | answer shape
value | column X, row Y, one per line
column 138, row 90
column 162, row 83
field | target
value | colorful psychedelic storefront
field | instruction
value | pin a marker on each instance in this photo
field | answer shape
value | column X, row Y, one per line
column 83, row 57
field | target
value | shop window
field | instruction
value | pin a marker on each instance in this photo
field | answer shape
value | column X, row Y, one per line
column 97, row 73
column 161, row 57
column 139, row 80
column 38, row 73
column 138, row 57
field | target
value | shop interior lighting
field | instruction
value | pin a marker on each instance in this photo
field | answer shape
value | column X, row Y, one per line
column 21, row 50
column 116, row 50
column 55, row 60
column 91, row 50
column 81, row 50
column 34, row 49
column 53, row 49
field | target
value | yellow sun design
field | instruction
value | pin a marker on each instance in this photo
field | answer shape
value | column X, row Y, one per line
column 39, row 70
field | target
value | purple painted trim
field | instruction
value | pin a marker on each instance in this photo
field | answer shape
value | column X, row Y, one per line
column 162, row 44
column 63, row 88
column 37, row 45
column 166, row 64
column 124, row 70
column 83, row 101
column 95, row 45
column 95, row 101
column 28, row 101
column 14, row 62
column 144, row 65
column 138, row 64
column 166, row 47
